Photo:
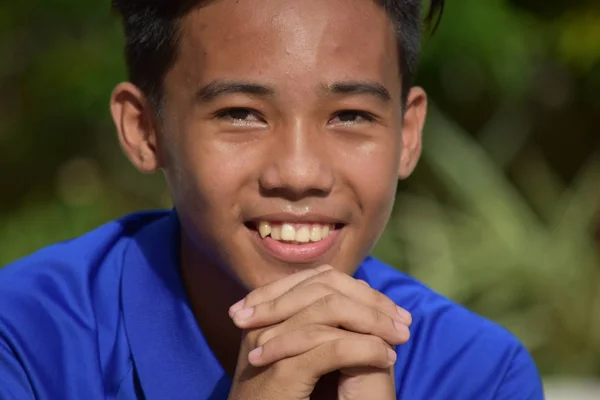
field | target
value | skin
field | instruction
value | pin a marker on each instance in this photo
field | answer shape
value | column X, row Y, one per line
column 310, row 324
column 293, row 147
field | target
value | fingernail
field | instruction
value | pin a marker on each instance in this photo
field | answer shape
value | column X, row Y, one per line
column 254, row 355
column 236, row 307
column 392, row 356
column 243, row 314
column 364, row 282
column 405, row 315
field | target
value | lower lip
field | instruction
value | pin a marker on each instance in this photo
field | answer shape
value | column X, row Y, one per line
column 298, row 253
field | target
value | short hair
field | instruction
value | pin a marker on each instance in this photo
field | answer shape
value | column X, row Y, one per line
column 152, row 35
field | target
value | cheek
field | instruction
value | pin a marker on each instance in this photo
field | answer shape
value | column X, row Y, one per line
column 374, row 178
column 208, row 194
column 375, row 172
column 208, row 178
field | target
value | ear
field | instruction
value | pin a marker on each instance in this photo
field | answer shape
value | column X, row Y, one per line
column 134, row 119
column 412, row 131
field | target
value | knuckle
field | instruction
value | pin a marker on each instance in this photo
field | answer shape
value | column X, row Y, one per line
column 313, row 333
column 378, row 318
column 330, row 275
column 332, row 301
column 309, row 333
column 321, row 288
column 377, row 350
column 380, row 299
column 336, row 299
column 254, row 297
column 380, row 343
column 271, row 307
column 263, row 337
column 324, row 267
column 338, row 349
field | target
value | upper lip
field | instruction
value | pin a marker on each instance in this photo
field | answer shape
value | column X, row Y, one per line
column 298, row 218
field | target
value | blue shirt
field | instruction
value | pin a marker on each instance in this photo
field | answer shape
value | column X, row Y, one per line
column 105, row 316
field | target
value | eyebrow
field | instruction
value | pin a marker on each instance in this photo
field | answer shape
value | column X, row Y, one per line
column 215, row 89
column 374, row 89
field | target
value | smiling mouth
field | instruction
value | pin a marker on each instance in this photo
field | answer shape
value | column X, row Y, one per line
column 294, row 233
column 296, row 242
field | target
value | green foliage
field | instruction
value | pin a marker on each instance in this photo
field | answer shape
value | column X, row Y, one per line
column 535, row 270
column 488, row 35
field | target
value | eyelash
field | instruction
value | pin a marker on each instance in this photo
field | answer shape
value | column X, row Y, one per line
column 368, row 117
column 226, row 114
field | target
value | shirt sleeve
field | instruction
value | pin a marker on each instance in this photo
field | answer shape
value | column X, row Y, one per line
column 522, row 380
column 14, row 384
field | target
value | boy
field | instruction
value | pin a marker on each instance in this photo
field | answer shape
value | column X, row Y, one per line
column 282, row 127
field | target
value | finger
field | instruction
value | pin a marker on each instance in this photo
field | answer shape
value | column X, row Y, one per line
column 344, row 353
column 362, row 292
column 339, row 311
column 275, row 289
column 310, row 290
column 291, row 344
column 282, row 307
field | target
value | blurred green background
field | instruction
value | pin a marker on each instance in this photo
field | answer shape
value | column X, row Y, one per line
column 501, row 215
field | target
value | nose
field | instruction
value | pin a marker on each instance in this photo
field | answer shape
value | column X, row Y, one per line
column 298, row 165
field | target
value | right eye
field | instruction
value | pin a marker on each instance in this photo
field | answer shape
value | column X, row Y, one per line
column 239, row 116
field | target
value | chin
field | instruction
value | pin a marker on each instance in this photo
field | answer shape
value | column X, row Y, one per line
column 253, row 277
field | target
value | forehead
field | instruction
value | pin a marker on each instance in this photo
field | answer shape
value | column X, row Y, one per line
column 288, row 39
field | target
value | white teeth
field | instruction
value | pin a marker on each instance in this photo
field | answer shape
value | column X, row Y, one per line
column 315, row 233
column 264, row 228
column 289, row 232
column 276, row 232
column 303, row 234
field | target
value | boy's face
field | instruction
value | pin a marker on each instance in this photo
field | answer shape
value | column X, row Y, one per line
column 282, row 112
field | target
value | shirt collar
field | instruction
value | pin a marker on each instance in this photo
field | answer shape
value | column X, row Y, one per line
column 170, row 354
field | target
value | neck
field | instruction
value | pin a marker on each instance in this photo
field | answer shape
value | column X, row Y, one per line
column 211, row 292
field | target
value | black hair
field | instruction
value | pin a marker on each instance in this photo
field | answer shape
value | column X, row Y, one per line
column 152, row 35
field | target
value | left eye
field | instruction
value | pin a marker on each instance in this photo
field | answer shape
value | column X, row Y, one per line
column 352, row 117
